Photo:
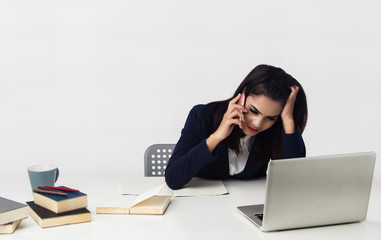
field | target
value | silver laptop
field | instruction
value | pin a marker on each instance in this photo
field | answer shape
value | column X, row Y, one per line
column 314, row 191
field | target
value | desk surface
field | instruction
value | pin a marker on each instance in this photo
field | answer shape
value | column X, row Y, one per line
column 213, row 217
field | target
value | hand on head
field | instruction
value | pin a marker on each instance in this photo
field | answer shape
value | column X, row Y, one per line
column 287, row 114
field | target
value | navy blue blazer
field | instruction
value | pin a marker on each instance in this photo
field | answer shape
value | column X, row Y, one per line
column 191, row 157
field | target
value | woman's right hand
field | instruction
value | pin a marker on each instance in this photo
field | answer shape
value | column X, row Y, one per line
column 233, row 116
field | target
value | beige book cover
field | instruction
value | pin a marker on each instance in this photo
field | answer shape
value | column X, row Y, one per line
column 9, row 227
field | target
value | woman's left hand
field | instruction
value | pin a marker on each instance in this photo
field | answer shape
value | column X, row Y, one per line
column 287, row 114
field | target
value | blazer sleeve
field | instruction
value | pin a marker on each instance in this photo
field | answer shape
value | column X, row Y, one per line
column 191, row 153
column 293, row 145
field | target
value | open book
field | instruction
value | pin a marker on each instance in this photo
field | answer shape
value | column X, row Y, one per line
column 148, row 202
column 154, row 195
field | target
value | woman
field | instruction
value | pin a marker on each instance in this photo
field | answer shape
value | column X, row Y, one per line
column 227, row 139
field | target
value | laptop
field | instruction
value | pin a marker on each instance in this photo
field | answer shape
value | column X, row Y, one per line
column 314, row 191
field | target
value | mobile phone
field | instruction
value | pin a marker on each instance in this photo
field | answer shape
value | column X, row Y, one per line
column 241, row 100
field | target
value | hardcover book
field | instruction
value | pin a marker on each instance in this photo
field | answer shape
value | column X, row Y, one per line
column 60, row 203
column 10, row 227
column 11, row 211
column 46, row 218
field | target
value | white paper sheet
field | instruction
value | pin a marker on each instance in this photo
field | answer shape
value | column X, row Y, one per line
column 196, row 187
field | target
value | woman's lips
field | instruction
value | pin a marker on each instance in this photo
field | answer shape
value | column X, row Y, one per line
column 252, row 129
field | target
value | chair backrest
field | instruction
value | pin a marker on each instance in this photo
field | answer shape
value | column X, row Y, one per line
column 156, row 158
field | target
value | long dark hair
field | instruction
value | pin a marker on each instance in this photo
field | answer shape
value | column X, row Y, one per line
column 274, row 83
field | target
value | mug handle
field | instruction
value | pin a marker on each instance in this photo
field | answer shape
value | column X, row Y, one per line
column 57, row 174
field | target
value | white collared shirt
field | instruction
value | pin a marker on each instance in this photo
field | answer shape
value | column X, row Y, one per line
column 238, row 162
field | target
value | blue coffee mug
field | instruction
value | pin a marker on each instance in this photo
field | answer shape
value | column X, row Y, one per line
column 43, row 175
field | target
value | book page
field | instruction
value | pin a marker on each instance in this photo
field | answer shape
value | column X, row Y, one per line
column 152, row 206
column 146, row 195
column 202, row 187
column 196, row 187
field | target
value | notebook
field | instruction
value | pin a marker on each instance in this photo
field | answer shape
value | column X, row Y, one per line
column 314, row 191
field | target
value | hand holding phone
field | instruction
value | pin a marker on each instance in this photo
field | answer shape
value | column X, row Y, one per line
column 228, row 122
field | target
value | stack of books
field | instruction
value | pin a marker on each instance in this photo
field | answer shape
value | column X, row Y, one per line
column 56, row 206
column 11, row 214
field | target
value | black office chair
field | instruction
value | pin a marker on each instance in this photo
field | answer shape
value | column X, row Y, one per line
column 156, row 158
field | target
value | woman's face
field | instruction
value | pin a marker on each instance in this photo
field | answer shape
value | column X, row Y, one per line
column 262, row 113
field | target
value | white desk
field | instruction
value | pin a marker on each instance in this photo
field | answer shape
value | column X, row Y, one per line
column 186, row 217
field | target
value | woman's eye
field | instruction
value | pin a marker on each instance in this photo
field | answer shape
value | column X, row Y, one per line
column 271, row 118
column 254, row 111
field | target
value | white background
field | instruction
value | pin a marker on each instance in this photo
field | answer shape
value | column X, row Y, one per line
column 88, row 85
